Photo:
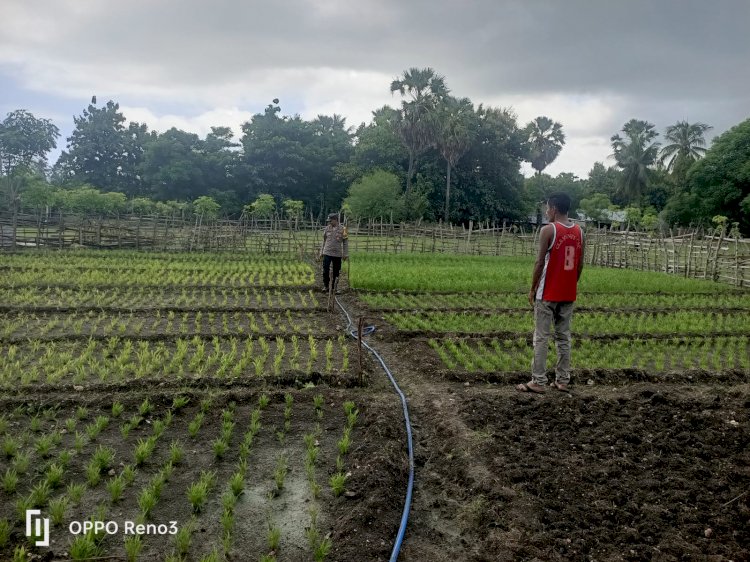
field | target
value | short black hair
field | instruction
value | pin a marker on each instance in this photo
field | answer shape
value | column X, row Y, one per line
column 560, row 201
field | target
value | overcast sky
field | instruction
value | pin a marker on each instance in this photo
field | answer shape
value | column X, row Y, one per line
column 590, row 65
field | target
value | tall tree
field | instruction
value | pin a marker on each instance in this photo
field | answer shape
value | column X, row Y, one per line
column 720, row 182
column 545, row 139
column 489, row 172
column 415, row 124
column 172, row 166
column 289, row 157
column 376, row 145
column 454, row 137
column 686, row 145
column 635, row 153
column 24, row 143
column 102, row 151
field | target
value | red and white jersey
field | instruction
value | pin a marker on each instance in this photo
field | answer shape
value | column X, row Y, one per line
column 560, row 274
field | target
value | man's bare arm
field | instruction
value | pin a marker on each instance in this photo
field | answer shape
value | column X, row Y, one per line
column 545, row 237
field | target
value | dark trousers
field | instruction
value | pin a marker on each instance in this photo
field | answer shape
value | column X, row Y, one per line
column 327, row 261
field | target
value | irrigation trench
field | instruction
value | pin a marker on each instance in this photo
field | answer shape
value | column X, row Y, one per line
column 410, row 486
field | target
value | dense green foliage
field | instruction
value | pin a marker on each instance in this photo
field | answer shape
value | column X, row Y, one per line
column 452, row 160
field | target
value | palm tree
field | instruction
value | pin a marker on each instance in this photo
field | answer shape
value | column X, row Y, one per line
column 415, row 123
column 634, row 154
column 686, row 145
column 454, row 137
column 545, row 141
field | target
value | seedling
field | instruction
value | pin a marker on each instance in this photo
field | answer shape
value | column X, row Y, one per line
column 128, row 474
column 263, row 401
column 103, row 457
column 115, row 487
column 145, row 408
column 54, row 475
column 83, row 548
column 279, row 474
column 40, row 494
column 147, row 501
column 36, row 424
column 195, row 425
column 337, row 482
column 70, row 424
column 95, row 428
column 10, row 447
column 10, row 480
column 198, row 491
column 237, row 484
column 133, row 546
column 219, row 447
column 212, row 557
column 78, row 442
column 182, row 539
column 159, row 427
column 206, row 404
column 274, row 537
column 57, row 509
column 322, row 549
column 20, row 554
column 82, row 412
column 179, row 402
column 125, row 430
column 117, row 409
column 93, row 473
column 144, row 450
column 5, row 529
column 176, row 452
column 75, row 492
column 344, row 443
column 21, row 462
column 23, row 505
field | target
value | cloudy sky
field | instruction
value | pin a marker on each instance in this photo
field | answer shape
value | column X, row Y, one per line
column 590, row 64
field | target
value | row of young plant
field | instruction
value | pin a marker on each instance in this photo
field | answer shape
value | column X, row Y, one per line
column 116, row 359
column 301, row 275
column 129, row 298
column 511, row 301
column 321, row 544
column 711, row 354
column 52, row 473
column 467, row 273
column 138, row 262
column 110, row 259
column 103, row 460
column 22, row 325
column 584, row 323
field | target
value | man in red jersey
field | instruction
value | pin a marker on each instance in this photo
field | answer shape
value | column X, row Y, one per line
column 553, row 290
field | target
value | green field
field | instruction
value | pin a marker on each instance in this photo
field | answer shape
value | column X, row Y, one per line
column 458, row 273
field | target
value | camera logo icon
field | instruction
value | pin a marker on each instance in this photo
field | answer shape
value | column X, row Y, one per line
column 40, row 525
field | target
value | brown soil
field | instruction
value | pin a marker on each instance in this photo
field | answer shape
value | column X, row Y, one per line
column 628, row 466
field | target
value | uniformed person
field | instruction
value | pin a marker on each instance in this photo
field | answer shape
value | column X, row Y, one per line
column 334, row 249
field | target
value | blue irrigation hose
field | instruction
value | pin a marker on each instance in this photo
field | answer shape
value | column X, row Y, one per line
column 410, row 487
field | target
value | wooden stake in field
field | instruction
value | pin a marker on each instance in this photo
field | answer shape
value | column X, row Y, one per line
column 360, row 327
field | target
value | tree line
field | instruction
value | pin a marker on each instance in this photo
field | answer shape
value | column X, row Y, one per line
column 433, row 156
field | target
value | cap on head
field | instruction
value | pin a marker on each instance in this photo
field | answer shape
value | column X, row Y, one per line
column 333, row 216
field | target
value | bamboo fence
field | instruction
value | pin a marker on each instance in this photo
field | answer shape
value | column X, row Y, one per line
column 697, row 253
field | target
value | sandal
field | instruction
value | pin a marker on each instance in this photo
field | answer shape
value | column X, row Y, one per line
column 528, row 388
column 560, row 387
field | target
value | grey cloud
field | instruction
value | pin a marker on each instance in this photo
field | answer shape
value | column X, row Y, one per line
column 660, row 60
